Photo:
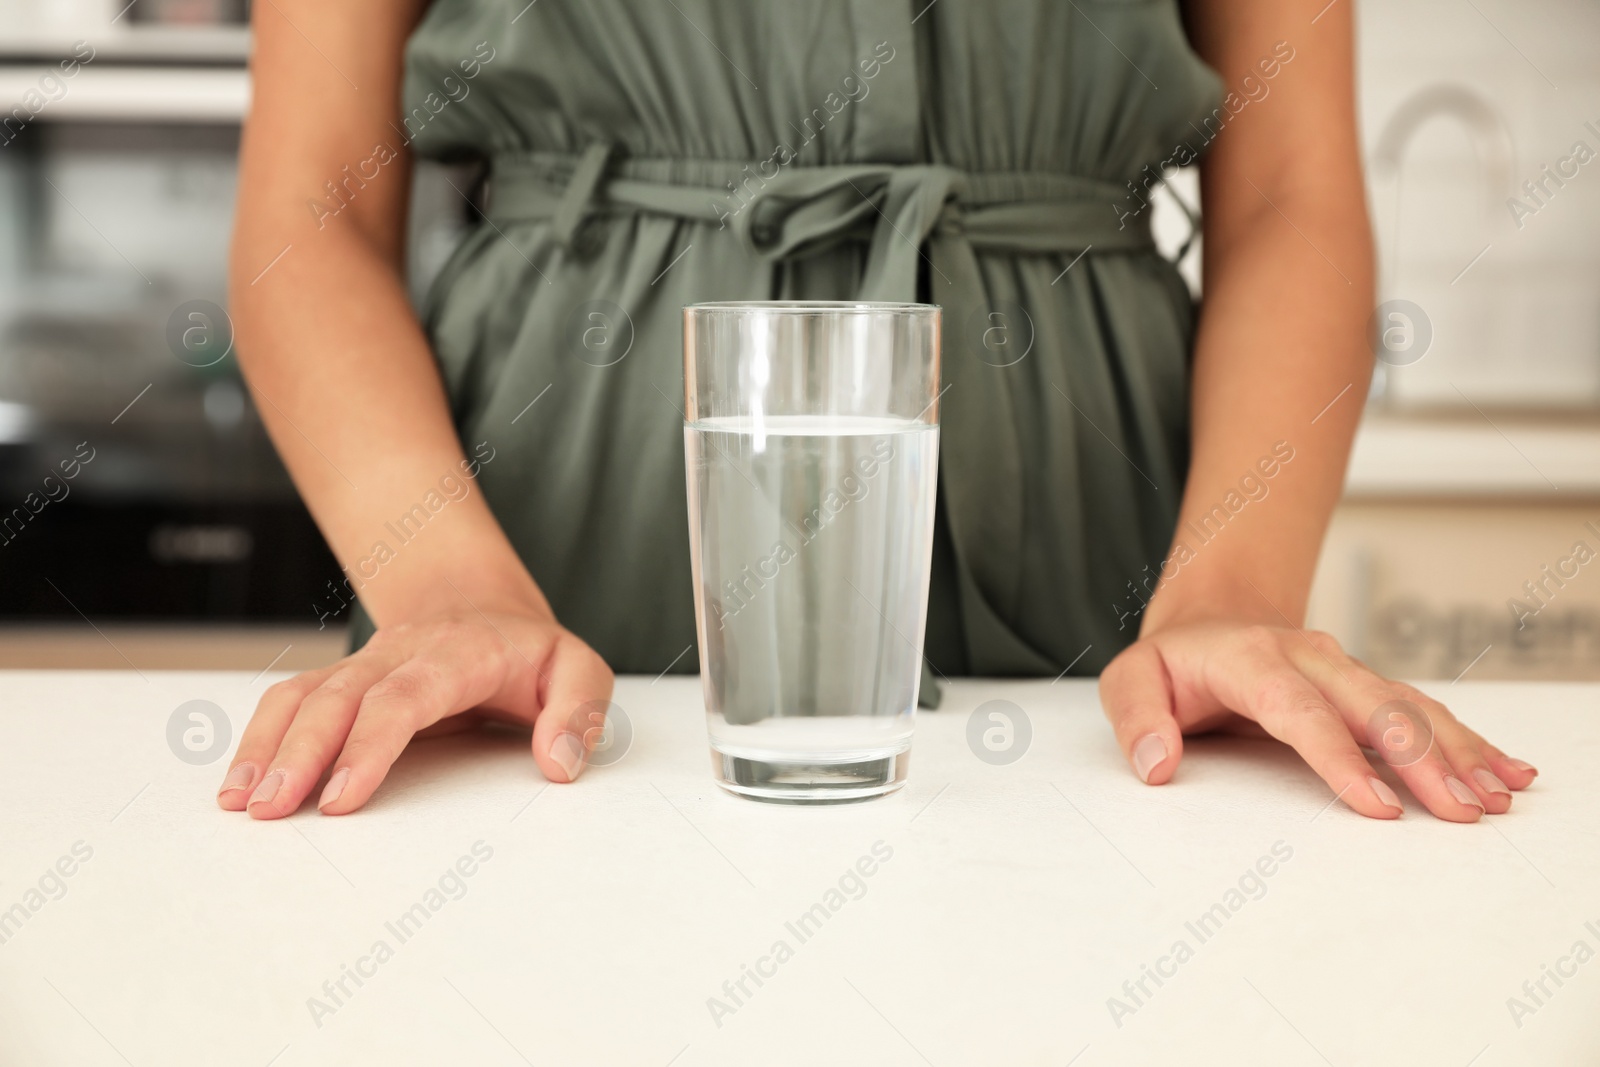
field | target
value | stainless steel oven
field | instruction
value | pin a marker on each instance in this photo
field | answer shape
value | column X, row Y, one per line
column 136, row 481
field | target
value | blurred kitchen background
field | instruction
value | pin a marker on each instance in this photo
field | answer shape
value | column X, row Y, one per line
column 181, row 542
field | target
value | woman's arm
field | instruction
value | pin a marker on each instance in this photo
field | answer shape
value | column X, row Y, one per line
column 1281, row 369
column 347, row 387
column 341, row 371
column 1288, row 288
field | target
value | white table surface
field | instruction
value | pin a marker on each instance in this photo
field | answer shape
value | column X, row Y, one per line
column 1018, row 899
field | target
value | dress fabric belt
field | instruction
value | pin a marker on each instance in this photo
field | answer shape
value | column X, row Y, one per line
column 898, row 208
column 903, row 212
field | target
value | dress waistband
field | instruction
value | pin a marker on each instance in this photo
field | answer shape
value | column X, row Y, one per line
column 783, row 211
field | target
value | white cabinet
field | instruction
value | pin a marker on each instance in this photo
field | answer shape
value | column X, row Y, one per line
column 1468, row 547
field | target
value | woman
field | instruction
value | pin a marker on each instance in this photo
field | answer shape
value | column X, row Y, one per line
column 1110, row 466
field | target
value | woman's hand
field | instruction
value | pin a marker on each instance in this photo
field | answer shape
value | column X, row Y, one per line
column 346, row 384
column 357, row 715
column 1304, row 690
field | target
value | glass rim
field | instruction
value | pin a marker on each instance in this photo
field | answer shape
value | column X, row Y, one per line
column 862, row 307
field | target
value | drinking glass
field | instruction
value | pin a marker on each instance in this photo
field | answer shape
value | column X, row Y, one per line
column 811, row 431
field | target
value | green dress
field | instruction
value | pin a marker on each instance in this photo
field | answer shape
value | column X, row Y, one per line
column 985, row 155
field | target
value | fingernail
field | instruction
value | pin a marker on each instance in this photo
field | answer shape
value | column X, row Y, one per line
column 267, row 789
column 1522, row 765
column 238, row 778
column 1384, row 793
column 567, row 751
column 1487, row 779
column 334, row 787
column 1461, row 792
column 1148, row 754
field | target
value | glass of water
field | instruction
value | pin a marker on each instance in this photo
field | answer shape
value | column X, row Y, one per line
column 811, row 431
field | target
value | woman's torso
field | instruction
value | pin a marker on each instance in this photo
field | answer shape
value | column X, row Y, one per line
column 1088, row 428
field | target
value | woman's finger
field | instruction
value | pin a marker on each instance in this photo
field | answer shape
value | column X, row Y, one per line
column 1431, row 778
column 1463, row 752
column 1518, row 774
column 264, row 734
column 1136, row 695
column 1470, row 766
column 449, row 675
column 576, row 689
column 1377, row 712
column 317, row 733
column 1296, row 712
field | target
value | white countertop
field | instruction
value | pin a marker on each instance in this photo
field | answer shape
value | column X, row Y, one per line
column 1013, row 903
column 1476, row 454
column 126, row 93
